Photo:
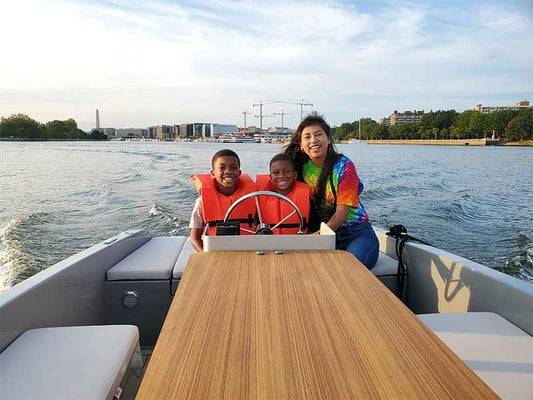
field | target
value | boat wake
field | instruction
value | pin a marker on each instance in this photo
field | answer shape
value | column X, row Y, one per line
column 178, row 226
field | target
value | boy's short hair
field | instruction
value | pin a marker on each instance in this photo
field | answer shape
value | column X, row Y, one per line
column 224, row 153
column 281, row 157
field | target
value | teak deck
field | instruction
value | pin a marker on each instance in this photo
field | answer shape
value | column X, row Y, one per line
column 304, row 324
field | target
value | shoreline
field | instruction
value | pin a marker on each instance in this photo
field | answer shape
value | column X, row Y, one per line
column 453, row 142
column 419, row 142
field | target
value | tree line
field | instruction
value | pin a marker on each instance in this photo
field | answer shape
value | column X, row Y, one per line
column 20, row 126
column 512, row 125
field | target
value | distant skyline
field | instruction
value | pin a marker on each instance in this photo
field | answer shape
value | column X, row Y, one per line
column 166, row 62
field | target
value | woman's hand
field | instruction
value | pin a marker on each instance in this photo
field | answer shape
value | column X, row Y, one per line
column 340, row 216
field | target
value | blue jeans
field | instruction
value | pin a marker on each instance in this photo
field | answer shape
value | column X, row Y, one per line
column 361, row 241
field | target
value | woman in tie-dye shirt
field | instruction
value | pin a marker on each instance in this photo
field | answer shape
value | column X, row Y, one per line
column 335, row 188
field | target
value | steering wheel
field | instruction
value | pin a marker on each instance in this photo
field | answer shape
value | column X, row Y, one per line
column 263, row 228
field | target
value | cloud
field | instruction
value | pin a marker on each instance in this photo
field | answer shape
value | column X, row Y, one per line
column 152, row 62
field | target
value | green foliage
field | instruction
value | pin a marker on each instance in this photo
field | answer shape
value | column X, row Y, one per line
column 64, row 130
column 521, row 127
column 97, row 135
column 20, row 126
column 447, row 124
column 369, row 129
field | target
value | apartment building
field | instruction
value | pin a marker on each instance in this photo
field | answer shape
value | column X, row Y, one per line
column 407, row 117
column 164, row 132
column 490, row 109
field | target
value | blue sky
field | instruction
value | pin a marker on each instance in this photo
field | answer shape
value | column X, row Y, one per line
column 144, row 63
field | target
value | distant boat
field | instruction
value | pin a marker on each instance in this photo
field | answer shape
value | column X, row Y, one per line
column 231, row 138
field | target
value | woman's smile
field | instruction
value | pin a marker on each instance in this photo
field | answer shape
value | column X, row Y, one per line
column 314, row 142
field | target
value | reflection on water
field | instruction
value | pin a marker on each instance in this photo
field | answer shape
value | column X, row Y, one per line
column 58, row 198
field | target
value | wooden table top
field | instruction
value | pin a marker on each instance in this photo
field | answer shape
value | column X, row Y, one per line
column 304, row 324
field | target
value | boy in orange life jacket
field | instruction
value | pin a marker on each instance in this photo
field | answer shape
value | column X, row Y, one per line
column 282, row 179
column 217, row 192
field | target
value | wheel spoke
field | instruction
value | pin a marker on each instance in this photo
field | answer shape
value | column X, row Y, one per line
column 258, row 210
column 283, row 220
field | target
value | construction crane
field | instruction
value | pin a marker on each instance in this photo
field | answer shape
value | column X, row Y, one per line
column 282, row 115
column 261, row 116
column 244, row 113
column 302, row 103
column 261, row 119
column 261, row 103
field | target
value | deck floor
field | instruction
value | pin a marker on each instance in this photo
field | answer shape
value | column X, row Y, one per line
column 131, row 382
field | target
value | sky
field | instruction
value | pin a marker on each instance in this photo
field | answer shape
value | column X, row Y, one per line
column 144, row 63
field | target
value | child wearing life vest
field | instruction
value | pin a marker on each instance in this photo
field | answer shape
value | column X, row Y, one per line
column 218, row 191
column 282, row 180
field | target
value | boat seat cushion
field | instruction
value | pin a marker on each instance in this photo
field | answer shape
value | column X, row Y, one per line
column 78, row 362
column 499, row 352
column 385, row 265
column 183, row 259
column 154, row 260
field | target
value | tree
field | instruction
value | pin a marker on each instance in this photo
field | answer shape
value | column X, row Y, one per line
column 378, row 132
column 343, row 132
column 521, row 127
column 21, row 126
column 498, row 121
column 97, row 135
column 403, row 131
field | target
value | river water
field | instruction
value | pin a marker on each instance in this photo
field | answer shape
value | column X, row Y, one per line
column 57, row 198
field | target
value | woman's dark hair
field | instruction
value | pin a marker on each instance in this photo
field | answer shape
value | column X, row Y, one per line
column 300, row 158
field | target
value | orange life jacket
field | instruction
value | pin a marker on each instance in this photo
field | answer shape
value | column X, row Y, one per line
column 215, row 205
column 274, row 210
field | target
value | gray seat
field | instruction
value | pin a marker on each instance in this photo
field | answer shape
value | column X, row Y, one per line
column 78, row 362
column 181, row 263
column 500, row 353
column 154, row 260
column 386, row 270
column 385, row 265
column 183, row 259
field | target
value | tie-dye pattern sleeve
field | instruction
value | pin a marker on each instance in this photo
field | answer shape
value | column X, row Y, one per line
column 348, row 183
column 349, row 188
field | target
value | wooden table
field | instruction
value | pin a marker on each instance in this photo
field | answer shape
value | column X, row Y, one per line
column 313, row 324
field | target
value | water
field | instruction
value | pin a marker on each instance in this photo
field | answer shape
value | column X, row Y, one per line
column 58, row 198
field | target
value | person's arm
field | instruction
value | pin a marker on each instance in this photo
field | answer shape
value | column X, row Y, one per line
column 196, row 226
column 196, row 239
column 339, row 218
column 347, row 195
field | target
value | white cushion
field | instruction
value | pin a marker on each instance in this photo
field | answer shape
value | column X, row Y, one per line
column 183, row 259
column 385, row 265
column 81, row 362
column 154, row 260
column 499, row 352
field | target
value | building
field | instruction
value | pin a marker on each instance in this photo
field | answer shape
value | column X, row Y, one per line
column 152, row 132
column 385, row 121
column 218, row 129
column 490, row 109
column 164, row 132
column 183, row 130
column 407, row 117
column 280, row 131
column 131, row 133
column 110, row 132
